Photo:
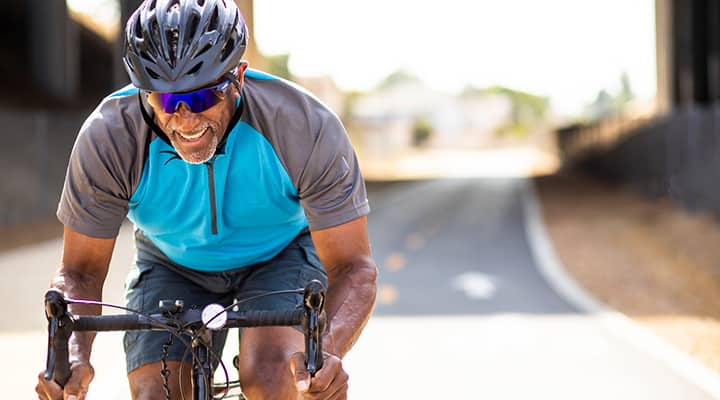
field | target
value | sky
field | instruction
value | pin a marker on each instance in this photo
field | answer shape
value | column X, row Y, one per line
column 567, row 50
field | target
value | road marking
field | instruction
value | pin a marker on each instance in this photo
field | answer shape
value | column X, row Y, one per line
column 395, row 262
column 388, row 294
column 555, row 274
column 475, row 285
column 414, row 241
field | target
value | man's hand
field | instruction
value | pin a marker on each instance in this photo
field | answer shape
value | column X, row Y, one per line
column 76, row 388
column 329, row 383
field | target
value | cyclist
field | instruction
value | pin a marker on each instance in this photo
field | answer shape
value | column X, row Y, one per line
column 237, row 182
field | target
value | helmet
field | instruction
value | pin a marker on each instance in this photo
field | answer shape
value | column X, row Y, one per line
column 181, row 45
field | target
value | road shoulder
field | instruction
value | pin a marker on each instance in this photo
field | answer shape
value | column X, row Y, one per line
column 647, row 259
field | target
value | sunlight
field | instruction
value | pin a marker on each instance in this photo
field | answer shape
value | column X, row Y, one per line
column 565, row 49
column 100, row 16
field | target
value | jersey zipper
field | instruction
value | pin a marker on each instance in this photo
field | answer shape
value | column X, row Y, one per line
column 213, row 210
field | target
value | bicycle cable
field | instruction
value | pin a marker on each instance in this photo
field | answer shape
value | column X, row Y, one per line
column 213, row 356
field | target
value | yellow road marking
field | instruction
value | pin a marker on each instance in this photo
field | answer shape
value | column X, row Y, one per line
column 395, row 262
column 387, row 294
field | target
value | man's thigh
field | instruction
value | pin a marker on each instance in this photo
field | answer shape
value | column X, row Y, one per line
column 146, row 381
column 264, row 359
column 292, row 269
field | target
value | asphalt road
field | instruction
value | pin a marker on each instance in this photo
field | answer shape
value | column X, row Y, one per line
column 463, row 310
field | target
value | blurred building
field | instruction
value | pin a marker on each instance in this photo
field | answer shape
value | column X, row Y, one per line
column 385, row 120
column 325, row 89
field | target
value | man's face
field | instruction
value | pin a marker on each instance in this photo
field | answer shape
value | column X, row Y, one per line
column 195, row 136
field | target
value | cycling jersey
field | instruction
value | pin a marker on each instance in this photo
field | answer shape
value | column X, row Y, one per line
column 287, row 164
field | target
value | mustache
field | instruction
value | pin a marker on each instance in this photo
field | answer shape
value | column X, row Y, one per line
column 197, row 129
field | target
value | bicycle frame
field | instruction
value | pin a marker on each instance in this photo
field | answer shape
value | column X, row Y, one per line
column 61, row 324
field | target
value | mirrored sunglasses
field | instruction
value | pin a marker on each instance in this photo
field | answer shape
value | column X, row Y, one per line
column 197, row 101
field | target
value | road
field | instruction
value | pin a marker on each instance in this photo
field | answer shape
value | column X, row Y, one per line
column 463, row 312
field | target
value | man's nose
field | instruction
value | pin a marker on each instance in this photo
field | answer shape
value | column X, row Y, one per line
column 183, row 110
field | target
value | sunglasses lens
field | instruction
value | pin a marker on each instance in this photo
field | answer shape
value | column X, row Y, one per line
column 197, row 101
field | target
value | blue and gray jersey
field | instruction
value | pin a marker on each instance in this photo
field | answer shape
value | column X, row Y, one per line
column 286, row 165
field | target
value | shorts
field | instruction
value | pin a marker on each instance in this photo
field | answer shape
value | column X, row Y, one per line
column 153, row 277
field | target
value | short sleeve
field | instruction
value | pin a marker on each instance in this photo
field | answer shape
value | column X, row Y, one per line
column 332, row 190
column 96, row 192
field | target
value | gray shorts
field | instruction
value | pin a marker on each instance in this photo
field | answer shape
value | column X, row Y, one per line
column 154, row 277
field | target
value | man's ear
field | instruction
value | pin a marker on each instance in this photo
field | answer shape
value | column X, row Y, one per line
column 241, row 69
column 240, row 75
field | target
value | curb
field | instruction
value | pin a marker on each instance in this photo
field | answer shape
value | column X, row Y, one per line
column 555, row 274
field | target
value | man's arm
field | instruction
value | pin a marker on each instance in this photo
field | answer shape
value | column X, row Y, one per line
column 345, row 252
column 84, row 266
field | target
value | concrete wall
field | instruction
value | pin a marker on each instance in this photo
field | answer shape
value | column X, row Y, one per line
column 33, row 157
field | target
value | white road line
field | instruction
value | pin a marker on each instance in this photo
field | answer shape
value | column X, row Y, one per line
column 555, row 274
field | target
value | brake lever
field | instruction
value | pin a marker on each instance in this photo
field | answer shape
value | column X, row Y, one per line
column 57, row 365
column 314, row 325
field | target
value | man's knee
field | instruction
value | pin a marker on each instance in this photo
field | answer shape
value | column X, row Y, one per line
column 146, row 382
column 267, row 379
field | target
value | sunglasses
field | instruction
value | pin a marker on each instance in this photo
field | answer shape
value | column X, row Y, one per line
column 197, row 100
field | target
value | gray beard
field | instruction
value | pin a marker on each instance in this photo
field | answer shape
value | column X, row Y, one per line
column 203, row 156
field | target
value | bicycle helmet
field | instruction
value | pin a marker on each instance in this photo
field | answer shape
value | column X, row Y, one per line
column 181, row 45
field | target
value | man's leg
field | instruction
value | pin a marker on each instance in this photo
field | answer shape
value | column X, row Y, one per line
column 146, row 382
column 265, row 362
column 265, row 352
column 148, row 284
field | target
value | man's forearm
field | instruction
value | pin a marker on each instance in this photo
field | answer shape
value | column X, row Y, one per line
column 350, row 301
column 80, row 286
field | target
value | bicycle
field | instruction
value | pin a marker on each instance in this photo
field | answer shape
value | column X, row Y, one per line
column 196, row 323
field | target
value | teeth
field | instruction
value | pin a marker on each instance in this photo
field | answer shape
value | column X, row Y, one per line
column 191, row 136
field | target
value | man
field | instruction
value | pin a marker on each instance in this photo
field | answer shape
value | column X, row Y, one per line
column 238, row 183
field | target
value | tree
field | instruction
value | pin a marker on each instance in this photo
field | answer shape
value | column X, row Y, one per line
column 422, row 130
column 397, row 77
column 278, row 65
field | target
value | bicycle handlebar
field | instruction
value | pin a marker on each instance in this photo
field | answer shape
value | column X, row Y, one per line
column 188, row 318
column 61, row 324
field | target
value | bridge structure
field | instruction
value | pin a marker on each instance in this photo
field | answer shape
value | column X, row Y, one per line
column 673, row 150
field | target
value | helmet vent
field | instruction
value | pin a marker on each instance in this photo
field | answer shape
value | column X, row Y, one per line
column 201, row 2
column 138, row 30
column 172, row 37
column 196, row 68
column 155, row 30
column 227, row 50
column 146, row 56
column 173, row 3
column 237, row 17
column 213, row 25
column 204, row 49
column 152, row 73
column 152, row 5
column 192, row 25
